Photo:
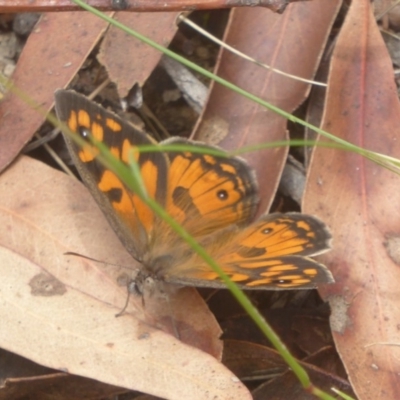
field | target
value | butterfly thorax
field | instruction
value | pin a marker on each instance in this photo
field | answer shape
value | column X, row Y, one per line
column 151, row 273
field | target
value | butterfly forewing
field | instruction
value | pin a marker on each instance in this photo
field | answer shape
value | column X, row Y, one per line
column 132, row 220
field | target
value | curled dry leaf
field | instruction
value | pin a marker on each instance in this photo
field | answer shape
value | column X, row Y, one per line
column 292, row 42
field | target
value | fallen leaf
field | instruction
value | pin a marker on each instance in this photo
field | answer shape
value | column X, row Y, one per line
column 128, row 60
column 287, row 385
column 60, row 309
column 292, row 42
column 46, row 63
column 22, row 378
column 359, row 201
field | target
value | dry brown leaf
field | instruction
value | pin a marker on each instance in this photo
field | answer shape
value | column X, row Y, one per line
column 128, row 60
column 251, row 361
column 47, row 62
column 359, row 201
column 254, row 362
column 287, row 385
column 60, row 310
column 34, row 383
column 303, row 330
column 292, row 42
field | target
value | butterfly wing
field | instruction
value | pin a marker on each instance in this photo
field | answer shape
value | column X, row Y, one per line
column 272, row 253
column 131, row 219
column 208, row 192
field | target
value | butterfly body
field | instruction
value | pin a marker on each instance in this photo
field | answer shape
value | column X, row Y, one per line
column 212, row 196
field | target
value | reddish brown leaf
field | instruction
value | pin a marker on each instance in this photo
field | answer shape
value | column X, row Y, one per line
column 303, row 331
column 287, row 385
column 247, row 359
column 253, row 362
column 359, row 200
column 48, row 62
column 21, row 378
column 128, row 60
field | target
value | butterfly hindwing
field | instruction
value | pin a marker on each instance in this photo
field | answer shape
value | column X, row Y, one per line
column 272, row 253
column 277, row 235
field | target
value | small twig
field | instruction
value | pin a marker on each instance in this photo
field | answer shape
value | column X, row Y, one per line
column 139, row 5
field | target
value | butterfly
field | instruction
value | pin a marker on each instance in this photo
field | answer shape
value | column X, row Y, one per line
column 213, row 197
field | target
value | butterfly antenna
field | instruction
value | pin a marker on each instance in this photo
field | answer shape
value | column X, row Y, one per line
column 131, row 286
column 72, row 253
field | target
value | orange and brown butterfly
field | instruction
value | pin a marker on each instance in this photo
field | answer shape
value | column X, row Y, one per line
column 214, row 198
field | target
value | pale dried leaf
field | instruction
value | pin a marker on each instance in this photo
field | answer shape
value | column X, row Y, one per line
column 60, row 310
